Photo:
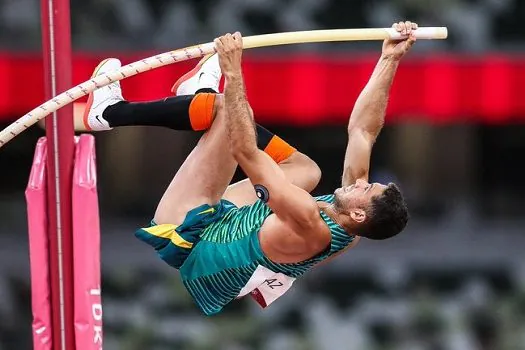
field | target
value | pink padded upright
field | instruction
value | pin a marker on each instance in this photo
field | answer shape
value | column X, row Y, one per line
column 38, row 249
column 86, row 247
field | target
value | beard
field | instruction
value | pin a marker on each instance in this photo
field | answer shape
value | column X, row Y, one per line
column 338, row 203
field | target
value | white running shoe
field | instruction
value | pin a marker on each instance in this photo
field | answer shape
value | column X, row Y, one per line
column 102, row 98
column 206, row 75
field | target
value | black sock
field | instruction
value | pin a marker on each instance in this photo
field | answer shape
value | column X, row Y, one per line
column 278, row 149
column 171, row 112
column 264, row 136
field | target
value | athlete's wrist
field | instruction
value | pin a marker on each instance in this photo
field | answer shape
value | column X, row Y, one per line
column 232, row 74
column 390, row 58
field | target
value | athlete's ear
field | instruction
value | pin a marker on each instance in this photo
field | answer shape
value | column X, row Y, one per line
column 358, row 215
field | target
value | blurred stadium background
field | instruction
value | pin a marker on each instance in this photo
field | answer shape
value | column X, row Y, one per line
column 455, row 280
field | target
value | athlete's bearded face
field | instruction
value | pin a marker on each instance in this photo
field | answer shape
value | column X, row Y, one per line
column 354, row 200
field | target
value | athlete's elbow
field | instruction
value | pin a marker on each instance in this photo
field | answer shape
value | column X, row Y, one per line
column 354, row 128
column 368, row 131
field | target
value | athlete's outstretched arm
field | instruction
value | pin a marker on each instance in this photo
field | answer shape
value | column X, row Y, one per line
column 290, row 203
column 368, row 116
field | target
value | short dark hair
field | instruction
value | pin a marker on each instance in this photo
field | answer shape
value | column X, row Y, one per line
column 387, row 215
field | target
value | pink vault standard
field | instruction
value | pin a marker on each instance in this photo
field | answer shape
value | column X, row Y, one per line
column 86, row 248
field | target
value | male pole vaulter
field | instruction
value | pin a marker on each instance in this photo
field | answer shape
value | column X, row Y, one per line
column 256, row 236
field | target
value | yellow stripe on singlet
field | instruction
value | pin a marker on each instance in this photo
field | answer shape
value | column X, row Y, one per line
column 168, row 231
column 207, row 211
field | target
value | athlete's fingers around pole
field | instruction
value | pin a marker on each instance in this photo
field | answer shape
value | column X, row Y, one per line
column 218, row 45
column 408, row 26
column 231, row 43
column 237, row 37
column 228, row 42
column 403, row 28
column 407, row 29
column 224, row 42
column 411, row 32
column 411, row 27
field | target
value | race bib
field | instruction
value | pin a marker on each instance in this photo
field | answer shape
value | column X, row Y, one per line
column 266, row 286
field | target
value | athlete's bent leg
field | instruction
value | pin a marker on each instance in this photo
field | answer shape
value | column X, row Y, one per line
column 204, row 175
column 299, row 169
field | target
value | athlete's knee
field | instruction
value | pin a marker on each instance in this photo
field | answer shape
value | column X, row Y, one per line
column 308, row 168
column 218, row 105
column 312, row 169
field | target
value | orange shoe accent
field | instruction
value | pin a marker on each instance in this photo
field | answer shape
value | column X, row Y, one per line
column 278, row 149
column 190, row 74
column 90, row 98
column 201, row 111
